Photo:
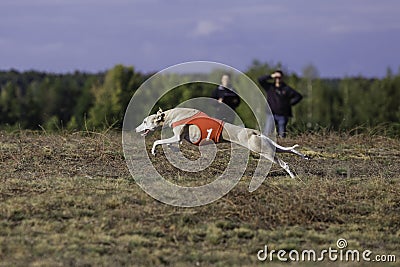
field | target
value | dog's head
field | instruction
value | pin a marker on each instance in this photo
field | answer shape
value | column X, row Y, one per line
column 151, row 123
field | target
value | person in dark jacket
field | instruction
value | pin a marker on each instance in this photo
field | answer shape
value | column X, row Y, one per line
column 224, row 93
column 281, row 98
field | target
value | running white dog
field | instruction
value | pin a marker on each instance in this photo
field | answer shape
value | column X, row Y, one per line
column 196, row 127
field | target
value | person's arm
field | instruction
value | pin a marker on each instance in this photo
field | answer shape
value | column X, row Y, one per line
column 295, row 97
column 217, row 95
column 263, row 81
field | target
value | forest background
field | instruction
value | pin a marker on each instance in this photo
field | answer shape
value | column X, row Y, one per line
column 97, row 101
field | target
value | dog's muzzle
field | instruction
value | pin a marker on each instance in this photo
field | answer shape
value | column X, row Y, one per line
column 145, row 132
column 142, row 129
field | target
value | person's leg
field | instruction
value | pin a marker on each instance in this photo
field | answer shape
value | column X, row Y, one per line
column 281, row 123
column 269, row 126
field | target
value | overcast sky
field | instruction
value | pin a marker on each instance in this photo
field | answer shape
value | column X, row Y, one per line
column 341, row 37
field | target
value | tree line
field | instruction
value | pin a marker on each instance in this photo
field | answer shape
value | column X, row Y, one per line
column 87, row 101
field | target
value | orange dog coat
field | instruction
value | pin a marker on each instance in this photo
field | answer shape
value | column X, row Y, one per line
column 210, row 128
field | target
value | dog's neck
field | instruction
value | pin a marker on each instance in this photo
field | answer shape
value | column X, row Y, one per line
column 177, row 114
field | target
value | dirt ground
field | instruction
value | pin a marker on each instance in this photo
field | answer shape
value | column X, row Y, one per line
column 69, row 199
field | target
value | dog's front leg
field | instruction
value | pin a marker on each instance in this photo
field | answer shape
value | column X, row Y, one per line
column 173, row 139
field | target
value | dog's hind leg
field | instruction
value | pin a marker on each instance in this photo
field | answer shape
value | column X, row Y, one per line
column 282, row 149
column 284, row 166
column 280, row 162
column 292, row 151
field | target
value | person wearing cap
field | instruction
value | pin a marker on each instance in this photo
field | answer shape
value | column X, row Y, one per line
column 281, row 97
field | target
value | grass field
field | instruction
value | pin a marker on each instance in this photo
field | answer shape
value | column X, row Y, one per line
column 69, row 200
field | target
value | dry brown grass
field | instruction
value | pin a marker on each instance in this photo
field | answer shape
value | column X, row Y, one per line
column 68, row 199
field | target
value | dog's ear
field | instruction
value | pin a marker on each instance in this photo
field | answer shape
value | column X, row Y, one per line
column 160, row 115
